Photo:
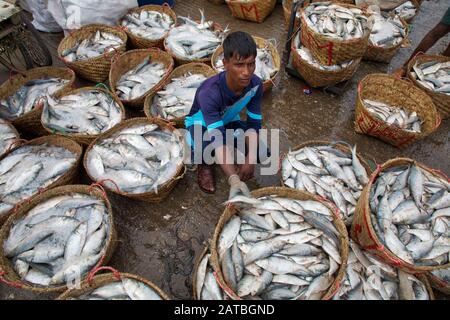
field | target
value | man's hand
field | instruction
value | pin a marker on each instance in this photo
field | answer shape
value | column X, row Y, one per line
column 246, row 171
column 237, row 187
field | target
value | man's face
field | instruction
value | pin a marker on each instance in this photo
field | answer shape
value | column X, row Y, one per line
column 240, row 70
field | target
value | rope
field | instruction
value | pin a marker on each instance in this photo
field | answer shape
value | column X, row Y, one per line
column 227, row 290
column 9, row 283
column 112, row 181
column 93, row 272
column 99, row 186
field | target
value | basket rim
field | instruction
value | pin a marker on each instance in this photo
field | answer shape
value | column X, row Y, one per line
column 183, row 60
column 85, row 285
column 149, row 7
column 125, row 124
column 270, row 191
column 150, row 51
column 367, row 212
column 42, row 197
column 76, row 90
column 76, row 35
column 426, row 131
column 204, row 69
column 425, row 56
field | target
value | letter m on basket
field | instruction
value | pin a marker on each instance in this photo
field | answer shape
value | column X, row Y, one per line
column 248, row 9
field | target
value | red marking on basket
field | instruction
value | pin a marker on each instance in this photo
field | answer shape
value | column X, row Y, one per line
column 417, row 54
column 224, row 288
column 9, row 283
column 98, row 185
column 249, row 9
column 96, row 270
column 438, row 121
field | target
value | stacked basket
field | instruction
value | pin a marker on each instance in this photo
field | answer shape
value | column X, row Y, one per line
column 253, row 10
column 327, row 51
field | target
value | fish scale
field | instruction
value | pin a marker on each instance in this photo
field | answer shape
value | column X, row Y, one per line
column 176, row 98
column 75, row 116
column 56, row 240
column 379, row 279
column 148, row 24
column 138, row 159
column 285, row 266
column 341, row 183
column 412, row 229
column 30, row 168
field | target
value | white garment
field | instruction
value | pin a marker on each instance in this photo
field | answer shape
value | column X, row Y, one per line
column 73, row 14
column 42, row 18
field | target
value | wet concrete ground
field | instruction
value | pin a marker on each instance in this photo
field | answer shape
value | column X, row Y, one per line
column 161, row 241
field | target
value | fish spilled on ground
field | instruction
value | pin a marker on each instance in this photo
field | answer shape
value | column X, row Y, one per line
column 85, row 112
column 176, row 98
column 396, row 116
column 125, row 289
column 148, row 24
column 139, row 80
column 386, row 31
column 406, row 10
column 7, row 136
column 368, row 278
column 335, row 21
column 29, row 96
column 96, row 45
column 60, row 240
column 328, row 172
column 207, row 287
column 279, row 248
column 306, row 55
column 265, row 65
column 410, row 210
column 138, row 159
column 194, row 41
column 433, row 75
column 30, row 168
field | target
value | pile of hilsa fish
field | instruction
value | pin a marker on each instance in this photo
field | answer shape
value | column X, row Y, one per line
column 306, row 55
column 29, row 96
column 139, row 80
column 206, row 284
column 88, row 112
column 60, row 240
column 194, row 41
column 279, row 248
column 433, row 75
column 176, row 98
column 7, row 136
column 138, row 159
column 148, row 24
column 96, row 45
column 124, row 289
column 265, row 65
column 328, row 172
column 386, row 31
column 406, row 10
column 30, row 168
column 335, row 21
column 368, row 278
column 395, row 115
column 410, row 210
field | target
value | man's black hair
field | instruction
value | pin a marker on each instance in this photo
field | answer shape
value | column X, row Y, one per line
column 239, row 43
